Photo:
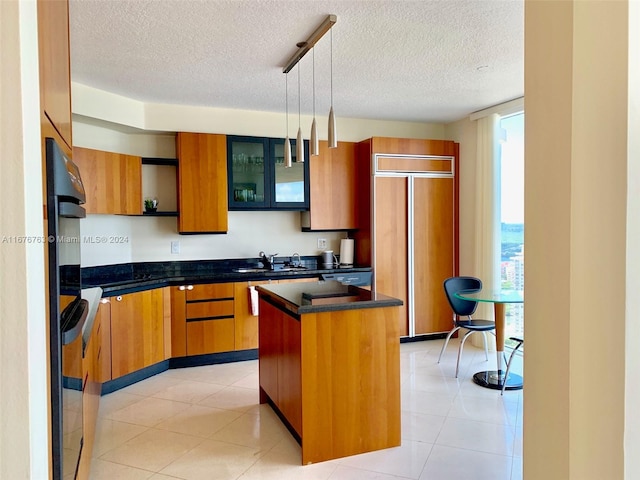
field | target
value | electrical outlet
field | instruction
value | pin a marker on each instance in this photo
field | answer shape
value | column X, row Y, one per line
column 322, row 243
column 175, row 247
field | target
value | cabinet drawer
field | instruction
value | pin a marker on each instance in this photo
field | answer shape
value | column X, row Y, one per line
column 210, row 291
column 210, row 336
column 212, row 309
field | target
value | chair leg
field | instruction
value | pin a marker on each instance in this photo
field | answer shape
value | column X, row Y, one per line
column 446, row 342
column 460, row 350
column 506, row 373
column 486, row 349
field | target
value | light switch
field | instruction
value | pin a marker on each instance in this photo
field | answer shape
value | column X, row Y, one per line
column 175, row 247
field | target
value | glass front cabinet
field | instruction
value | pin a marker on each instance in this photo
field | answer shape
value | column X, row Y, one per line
column 258, row 179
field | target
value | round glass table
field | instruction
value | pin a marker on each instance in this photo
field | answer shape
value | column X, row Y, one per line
column 495, row 378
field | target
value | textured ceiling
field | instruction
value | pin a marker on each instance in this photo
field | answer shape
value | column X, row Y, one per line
column 425, row 61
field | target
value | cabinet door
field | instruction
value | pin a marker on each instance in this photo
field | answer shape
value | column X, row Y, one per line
column 391, row 240
column 55, row 83
column 246, row 323
column 137, row 331
column 332, row 191
column 112, row 181
column 209, row 318
column 433, row 257
column 249, row 173
column 210, row 336
column 289, row 371
column 290, row 185
column 258, row 179
column 202, row 183
column 270, row 334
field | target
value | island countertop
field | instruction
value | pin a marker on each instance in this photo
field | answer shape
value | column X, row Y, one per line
column 324, row 296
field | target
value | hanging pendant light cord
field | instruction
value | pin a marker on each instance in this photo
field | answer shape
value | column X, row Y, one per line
column 299, row 117
column 286, row 99
column 314, row 82
column 331, row 66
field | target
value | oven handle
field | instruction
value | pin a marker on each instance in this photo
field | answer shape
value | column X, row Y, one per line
column 71, row 210
column 75, row 322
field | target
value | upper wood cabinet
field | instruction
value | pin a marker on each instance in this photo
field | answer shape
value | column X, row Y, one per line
column 332, row 202
column 202, row 183
column 112, row 181
column 55, row 83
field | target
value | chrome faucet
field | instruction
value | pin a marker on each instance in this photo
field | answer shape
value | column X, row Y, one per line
column 294, row 262
column 267, row 261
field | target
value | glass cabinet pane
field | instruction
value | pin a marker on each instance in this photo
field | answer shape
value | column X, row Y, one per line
column 289, row 182
column 248, row 172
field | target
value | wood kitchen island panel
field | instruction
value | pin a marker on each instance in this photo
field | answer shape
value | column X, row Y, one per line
column 331, row 370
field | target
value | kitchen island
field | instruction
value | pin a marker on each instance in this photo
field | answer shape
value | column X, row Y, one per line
column 330, row 366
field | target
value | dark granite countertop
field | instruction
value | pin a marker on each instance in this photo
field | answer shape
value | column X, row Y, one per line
column 120, row 279
column 328, row 296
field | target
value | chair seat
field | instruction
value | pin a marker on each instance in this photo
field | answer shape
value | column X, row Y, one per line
column 478, row 325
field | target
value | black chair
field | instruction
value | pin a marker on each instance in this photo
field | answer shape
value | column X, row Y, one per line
column 519, row 342
column 465, row 308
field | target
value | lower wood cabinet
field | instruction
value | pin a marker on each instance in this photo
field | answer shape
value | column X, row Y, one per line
column 280, row 362
column 202, row 319
column 137, row 331
column 246, row 327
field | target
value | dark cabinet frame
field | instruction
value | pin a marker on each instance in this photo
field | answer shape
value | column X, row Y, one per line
column 269, row 202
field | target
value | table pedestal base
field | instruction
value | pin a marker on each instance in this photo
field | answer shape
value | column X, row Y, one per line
column 494, row 379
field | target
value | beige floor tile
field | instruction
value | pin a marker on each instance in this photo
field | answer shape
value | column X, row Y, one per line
column 213, row 460
column 233, row 398
column 277, row 465
column 349, row 473
column 478, row 436
column 104, row 470
column 421, row 427
column 188, row 391
column 151, row 385
column 152, row 450
column 448, row 462
column 427, row 402
column 263, row 430
column 492, row 409
column 115, row 401
column 199, row 421
column 149, row 411
column 407, row 460
column 111, row 434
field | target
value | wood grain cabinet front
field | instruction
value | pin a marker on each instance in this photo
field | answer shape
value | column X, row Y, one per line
column 137, row 331
column 332, row 189
column 55, row 78
column 112, row 181
column 202, row 319
column 202, row 183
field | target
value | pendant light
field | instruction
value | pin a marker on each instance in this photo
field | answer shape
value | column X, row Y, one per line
column 287, row 142
column 299, row 141
column 333, row 139
column 314, row 144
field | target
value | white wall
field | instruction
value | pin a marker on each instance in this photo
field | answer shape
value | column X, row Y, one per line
column 97, row 124
column 577, row 316
column 24, row 442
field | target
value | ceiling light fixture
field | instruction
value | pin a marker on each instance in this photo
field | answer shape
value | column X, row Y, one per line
column 299, row 141
column 333, row 139
column 303, row 48
column 314, row 143
column 287, row 142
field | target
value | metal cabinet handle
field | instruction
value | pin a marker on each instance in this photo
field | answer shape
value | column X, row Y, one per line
column 189, row 287
column 182, row 287
column 119, row 298
column 185, row 287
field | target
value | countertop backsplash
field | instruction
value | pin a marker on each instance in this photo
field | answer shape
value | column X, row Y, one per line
column 114, row 239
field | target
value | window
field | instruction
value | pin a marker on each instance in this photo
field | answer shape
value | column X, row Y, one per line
column 512, row 216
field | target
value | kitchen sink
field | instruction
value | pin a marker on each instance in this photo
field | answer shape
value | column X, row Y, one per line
column 278, row 268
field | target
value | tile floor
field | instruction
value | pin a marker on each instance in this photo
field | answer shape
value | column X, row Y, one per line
column 205, row 423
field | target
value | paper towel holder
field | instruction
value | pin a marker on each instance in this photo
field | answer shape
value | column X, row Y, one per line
column 346, row 252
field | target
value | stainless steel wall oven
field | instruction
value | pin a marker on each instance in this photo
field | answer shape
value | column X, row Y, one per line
column 67, row 310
